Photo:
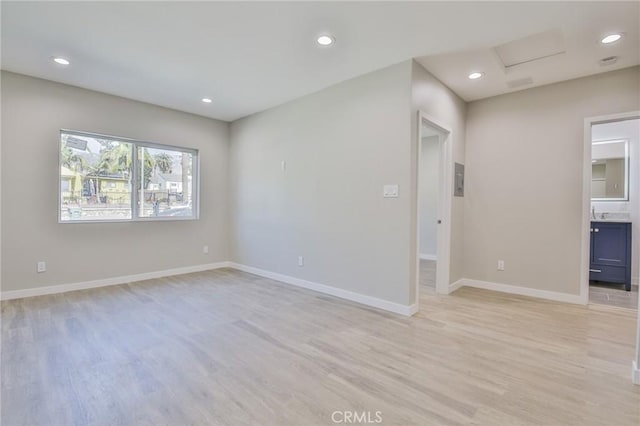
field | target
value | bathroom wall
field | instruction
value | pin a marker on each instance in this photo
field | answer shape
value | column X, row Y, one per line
column 629, row 129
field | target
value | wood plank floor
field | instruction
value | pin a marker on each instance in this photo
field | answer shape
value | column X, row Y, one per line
column 428, row 275
column 614, row 295
column 229, row 348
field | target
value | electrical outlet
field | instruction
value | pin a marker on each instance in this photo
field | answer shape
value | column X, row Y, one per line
column 390, row 191
column 300, row 261
column 42, row 267
column 205, row 249
column 500, row 265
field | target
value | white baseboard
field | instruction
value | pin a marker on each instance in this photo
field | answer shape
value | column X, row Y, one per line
column 456, row 285
column 635, row 373
column 413, row 309
column 63, row 288
column 522, row 291
column 428, row 256
column 344, row 294
column 386, row 305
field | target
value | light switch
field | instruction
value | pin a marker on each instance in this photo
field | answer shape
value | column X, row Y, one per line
column 390, row 191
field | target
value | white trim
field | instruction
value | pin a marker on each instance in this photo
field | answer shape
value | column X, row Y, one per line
column 522, row 291
column 454, row 286
column 586, row 194
column 135, row 209
column 428, row 256
column 397, row 308
column 63, row 288
column 586, row 218
column 445, row 201
column 413, row 309
column 386, row 305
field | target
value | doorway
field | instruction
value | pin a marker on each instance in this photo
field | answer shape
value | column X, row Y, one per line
column 611, row 202
column 434, row 192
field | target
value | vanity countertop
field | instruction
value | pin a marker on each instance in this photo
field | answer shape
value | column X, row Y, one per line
column 619, row 217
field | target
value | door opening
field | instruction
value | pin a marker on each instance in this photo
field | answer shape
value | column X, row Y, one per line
column 428, row 207
column 434, row 193
column 592, row 215
column 614, row 213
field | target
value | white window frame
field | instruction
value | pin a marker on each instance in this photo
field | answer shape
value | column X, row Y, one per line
column 135, row 206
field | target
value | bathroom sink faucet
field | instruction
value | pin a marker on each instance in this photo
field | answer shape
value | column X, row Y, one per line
column 593, row 213
column 603, row 215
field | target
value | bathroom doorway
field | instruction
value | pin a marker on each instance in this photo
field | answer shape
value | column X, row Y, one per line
column 612, row 176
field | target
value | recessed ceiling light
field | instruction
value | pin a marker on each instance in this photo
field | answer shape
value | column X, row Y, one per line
column 476, row 75
column 611, row 38
column 61, row 61
column 206, row 100
column 325, row 40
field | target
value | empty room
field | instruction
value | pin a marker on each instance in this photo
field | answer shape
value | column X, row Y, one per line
column 319, row 213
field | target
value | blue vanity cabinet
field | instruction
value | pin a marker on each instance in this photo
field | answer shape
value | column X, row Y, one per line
column 611, row 253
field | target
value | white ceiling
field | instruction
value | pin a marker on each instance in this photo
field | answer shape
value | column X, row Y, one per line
column 577, row 36
column 626, row 129
column 249, row 57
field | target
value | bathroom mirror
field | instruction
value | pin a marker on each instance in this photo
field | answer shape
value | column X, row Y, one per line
column 610, row 170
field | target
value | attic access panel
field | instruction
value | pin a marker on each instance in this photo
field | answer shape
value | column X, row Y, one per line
column 531, row 48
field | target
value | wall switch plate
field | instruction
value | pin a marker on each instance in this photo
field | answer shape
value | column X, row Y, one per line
column 500, row 265
column 390, row 191
column 300, row 261
column 42, row 267
column 205, row 249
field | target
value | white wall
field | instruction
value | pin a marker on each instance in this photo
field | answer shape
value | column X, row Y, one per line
column 629, row 129
column 428, row 198
column 436, row 100
column 33, row 112
column 523, row 201
column 341, row 145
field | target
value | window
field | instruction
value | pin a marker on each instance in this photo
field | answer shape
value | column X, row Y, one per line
column 105, row 178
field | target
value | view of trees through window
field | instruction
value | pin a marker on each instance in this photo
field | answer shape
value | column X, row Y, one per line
column 97, row 173
column 167, row 186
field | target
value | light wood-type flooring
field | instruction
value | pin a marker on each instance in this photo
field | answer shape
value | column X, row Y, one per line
column 229, row 348
column 613, row 294
column 428, row 276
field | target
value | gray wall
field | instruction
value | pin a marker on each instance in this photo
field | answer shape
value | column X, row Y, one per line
column 435, row 99
column 512, row 210
column 33, row 112
column 341, row 146
column 428, row 198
